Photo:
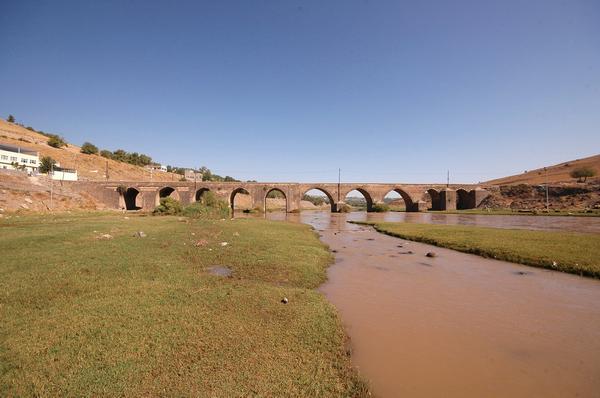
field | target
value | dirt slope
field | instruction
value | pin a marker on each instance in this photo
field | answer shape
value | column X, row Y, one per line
column 558, row 173
column 89, row 167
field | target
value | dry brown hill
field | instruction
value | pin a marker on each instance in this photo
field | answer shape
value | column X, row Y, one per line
column 89, row 167
column 558, row 173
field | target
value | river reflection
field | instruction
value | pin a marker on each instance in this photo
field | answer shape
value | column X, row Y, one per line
column 459, row 325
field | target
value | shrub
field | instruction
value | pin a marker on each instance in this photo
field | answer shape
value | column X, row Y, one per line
column 380, row 207
column 106, row 154
column 168, row 206
column 122, row 189
column 582, row 173
column 209, row 207
column 344, row 208
column 89, row 149
column 56, row 141
column 46, row 164
column 11, row 119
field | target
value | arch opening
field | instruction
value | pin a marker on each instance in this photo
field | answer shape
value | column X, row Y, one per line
column 317, row 199
column 465, row 199
column 394, row 201
column 357, row 200
column 275, row 200
column 166, row 192
column 240, row 200
column 433, row 199
column 130, row 197
column 401, row 201
column 201, row 192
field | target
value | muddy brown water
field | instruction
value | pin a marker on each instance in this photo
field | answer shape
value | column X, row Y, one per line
column 458, row 325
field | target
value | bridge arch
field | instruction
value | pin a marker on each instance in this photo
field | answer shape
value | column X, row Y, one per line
column 166, row 192
column 435, row 197
column 239, row 190
column 465, row 199
column 364, row 193
column 274, row 190
column 130, row 196
column 408, row 202
column 332, row 204
column 200, row 192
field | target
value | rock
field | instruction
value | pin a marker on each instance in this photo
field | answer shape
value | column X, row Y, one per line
column 24, row 205
column 334, row 251
column 125, row 218
column 284, row 300
column 236, row 234
column 431, row 254
column 140, row 234
column 28, row 200
column 201, row 242
column 554, row 263
column 105, row 236
column 224, row 243
column 1, row 210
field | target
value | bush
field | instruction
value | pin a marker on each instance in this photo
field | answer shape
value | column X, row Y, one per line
column 209, row 207
column 46, row 164
column 344, row 208
column 582, row 173
column 380, row 207
column 56, row 141
column 168, row 206
column 11, row 119
column 106, row 154
column 89, row 149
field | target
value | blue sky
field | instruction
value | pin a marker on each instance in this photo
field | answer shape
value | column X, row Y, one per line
column 291, row 90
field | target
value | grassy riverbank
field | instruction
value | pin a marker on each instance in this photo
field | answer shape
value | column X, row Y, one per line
column 85, row 314
column 509, row 212
column 563, row 251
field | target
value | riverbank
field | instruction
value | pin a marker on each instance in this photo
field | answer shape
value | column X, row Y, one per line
column 571, row 252
column 91, row 306
column 509, row 212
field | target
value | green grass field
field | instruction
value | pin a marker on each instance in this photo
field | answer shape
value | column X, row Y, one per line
column 575, row 253
column 130, row 316
column 509, row 212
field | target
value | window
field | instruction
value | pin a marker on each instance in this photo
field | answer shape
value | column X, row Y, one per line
column 32, row 161
column 13, row 159
column 23, row 160
column 4, row 157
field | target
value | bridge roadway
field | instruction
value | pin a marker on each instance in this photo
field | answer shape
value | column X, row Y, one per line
column 417, row 197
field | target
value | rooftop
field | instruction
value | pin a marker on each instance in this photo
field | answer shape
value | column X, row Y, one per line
column 18, row 149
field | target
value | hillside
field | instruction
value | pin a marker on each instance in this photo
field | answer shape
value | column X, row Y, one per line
column 89, row 167
column 558, row 173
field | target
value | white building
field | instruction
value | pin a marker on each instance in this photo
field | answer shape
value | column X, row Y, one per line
column 14, row 157
column 58, row 173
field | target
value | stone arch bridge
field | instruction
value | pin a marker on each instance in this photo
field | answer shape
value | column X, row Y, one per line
column 417, row 197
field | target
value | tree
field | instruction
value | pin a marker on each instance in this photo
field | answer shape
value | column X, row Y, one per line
column 105, row 153
column 46, row 164
column 582, row 173
column 11, row 119
column 56, row 141
column 89, row 149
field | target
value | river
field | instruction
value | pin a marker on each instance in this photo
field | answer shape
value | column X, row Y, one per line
column 459, row 325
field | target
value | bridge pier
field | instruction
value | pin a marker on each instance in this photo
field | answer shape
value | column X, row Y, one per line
column 447, row 200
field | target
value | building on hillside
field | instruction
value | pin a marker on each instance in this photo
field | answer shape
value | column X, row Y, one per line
column 62, row 174
column 192, row 175
column 157, row 167
column 19, row 158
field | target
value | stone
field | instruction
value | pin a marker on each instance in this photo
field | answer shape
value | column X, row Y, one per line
column 24, row 205
column 224, row 244
column 140, row 234
column 105, row 236
column 431, row 254
column 284, row 300
column 28, row 200
column 201, row 242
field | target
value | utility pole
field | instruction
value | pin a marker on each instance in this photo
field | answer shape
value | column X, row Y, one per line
column 448, row 179
column 106, row 172
column 547, row 204
column 339, row 182
column 51, row 183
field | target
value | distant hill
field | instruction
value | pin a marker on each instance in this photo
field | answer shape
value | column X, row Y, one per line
column 89, row 167
column 558, row 173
